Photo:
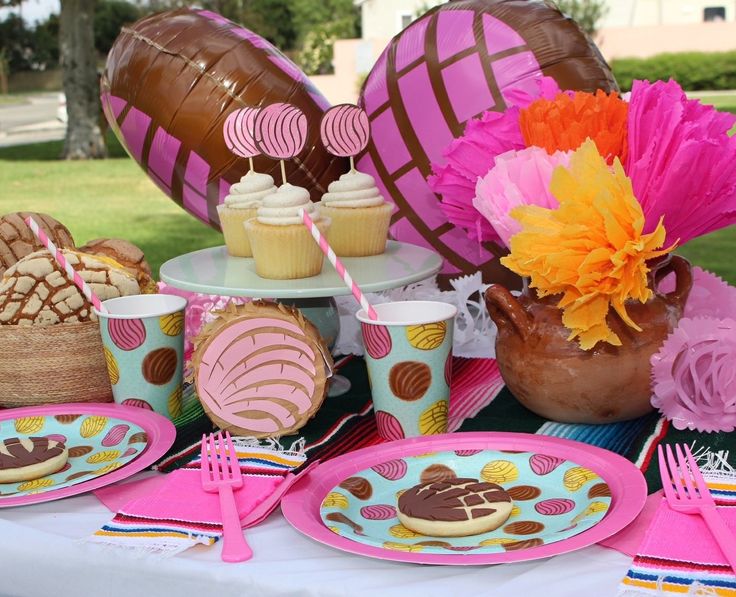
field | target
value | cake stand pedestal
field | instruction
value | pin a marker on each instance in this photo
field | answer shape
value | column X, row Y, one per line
column 213, row 271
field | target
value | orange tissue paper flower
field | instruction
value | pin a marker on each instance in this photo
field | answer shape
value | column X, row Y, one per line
column 591, row 249
column 564, row 123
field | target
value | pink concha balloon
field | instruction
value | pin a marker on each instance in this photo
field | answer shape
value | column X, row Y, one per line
column 239, row 132
column 391, row 469
column 378, row 512
column 554, row 506
column 388, row 426
column 126, row 334
column 115, row 435
column 542, row 464
column 281, row 131
column 345, row 130
column 377, row 340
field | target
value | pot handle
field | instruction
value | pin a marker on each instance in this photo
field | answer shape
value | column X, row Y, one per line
column 683, row 279
column 506, row 311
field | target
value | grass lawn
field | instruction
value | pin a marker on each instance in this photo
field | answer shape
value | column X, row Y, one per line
column 114, row 198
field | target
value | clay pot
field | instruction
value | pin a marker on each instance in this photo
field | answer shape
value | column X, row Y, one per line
column 556, row 379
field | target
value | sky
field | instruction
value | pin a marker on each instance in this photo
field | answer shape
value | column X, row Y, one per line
column 33, row 10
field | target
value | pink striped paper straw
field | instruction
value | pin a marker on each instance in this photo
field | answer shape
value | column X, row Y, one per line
column 335, row 261
column 61, row 260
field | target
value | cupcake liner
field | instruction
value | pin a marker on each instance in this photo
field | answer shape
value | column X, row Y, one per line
column 358, row 231
column 693, row 377
column 232, row 221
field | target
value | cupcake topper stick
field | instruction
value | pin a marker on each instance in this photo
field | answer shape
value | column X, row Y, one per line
column 65, row 265
column 281, row 132
column 337, row 264
column 345, row 131
column 238, row 132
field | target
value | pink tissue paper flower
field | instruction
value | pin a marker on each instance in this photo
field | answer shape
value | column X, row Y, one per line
column 710, row 296
column 693, row 377
column 471, row 156
column 199, row 311
column 518, row 178
column 681, row 161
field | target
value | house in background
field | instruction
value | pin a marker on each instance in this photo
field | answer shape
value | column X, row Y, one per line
column 631, row 28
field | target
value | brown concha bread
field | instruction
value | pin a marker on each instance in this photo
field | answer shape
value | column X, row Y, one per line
column 36, row 291
column 17, row 240
column 126, row 254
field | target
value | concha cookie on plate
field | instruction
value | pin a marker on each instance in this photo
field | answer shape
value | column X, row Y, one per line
column 261, row 369
column 125, row 254
column 17, row 239
column 454, row 508
column 36, row 291
column 25, row 459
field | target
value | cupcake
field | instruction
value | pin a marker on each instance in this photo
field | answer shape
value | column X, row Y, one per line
column 359, row 215
column 283, row 248
column 241, row 205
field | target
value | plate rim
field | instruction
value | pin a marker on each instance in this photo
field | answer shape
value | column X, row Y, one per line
column 160, row 431
column 620, row 474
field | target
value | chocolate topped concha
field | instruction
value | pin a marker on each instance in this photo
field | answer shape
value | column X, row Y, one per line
column 17, row 239
column 37, row 291
column 24, row 459
column 454, row 508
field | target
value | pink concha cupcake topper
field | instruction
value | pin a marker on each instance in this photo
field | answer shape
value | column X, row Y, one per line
column 281, row 132
column 345, row 131
column 239, row 133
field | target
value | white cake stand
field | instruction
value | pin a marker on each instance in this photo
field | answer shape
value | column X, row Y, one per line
column 213, row 271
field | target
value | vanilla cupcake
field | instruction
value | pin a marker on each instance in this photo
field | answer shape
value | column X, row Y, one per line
column 242, row 205
column 283, row 248
column 359, row 215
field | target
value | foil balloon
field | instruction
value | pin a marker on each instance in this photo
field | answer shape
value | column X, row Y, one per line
column 452, row 64
column 172, row 80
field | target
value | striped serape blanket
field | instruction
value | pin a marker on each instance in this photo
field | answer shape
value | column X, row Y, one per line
column 679, row 555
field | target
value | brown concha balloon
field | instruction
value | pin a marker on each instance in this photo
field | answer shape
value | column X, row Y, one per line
column 170, row 82
column 17, row 240
column 450, row 65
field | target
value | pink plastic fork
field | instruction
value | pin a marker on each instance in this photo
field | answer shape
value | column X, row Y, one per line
column 686, row 491
column 221, row 473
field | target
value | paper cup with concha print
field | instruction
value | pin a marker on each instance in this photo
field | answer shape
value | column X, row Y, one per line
column 143, row 340
column 408, row 351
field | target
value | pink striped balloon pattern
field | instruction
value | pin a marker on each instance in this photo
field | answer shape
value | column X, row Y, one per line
column 345, row 130
column 239, row 132
column 281, row 131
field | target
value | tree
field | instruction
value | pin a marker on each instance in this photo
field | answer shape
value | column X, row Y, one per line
column 586, row 13
column 110, row 16
column 84, row 138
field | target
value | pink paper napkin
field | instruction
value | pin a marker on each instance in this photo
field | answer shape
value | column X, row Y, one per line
column 678, row 554
column 167, row 514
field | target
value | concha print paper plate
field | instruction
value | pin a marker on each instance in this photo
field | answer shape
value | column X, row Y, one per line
column 106, row 443
column 566, row 495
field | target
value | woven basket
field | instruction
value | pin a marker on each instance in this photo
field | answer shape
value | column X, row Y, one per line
column 52, row 364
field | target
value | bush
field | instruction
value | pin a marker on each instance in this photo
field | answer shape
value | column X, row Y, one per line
column 694, row 71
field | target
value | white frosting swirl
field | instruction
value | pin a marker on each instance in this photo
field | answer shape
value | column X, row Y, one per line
column 249, row 192
column 282, row 207
column 354, row 189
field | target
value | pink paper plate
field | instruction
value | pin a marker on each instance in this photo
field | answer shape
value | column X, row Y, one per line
column 628, row 491
column 106, row 442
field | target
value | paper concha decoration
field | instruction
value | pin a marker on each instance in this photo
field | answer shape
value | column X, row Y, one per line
column 17, row 240
column 36, row 291
column 261, row 369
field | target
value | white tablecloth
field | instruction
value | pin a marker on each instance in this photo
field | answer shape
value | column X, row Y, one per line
column 41, row 556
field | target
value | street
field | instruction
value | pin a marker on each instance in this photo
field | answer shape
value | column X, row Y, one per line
column 33, row 121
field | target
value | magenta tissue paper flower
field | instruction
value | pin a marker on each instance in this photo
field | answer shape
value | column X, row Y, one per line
column 471, row 156
column 693, row 375
column 681, row 161
column 518, row 178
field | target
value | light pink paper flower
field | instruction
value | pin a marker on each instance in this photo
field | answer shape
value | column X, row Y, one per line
column 518, row 178
column 681, row 161
column 709, row 297
column 693, row 375
column 199, row 311
column 471, row 156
